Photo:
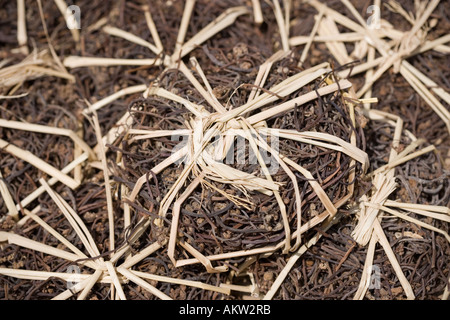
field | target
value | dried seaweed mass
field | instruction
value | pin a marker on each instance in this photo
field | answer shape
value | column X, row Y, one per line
column 212, row 141
column 231, row 159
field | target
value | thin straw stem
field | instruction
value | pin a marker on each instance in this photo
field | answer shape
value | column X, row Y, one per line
column 109, row 200
column 145, row 285
column 38, row 163
column 22, row 27
column 131, row 37
column 266, row 114
column 257, row 12
column 77, row 62
column 7, row 198
column 152, row 28
column 185, row 18
column 37, row 192
column 311, row 38
column 195, row 284
column 281, row 25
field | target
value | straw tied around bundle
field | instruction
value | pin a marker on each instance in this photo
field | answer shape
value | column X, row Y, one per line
column 203, row 166
column 394, row 47
column 204, row 153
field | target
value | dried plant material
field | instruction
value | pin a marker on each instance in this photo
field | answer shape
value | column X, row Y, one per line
column 293, row 259
column 429, row 98
column 34, row 245
column 152, row 28
column 290, row 263
column 394, row 6
column 84, row 287
column 57, row 235
column 248, row 134
column 42, row 275
column 115, row 280
column 418, row 207
column 203, row 260
column 436, row 45
column 195, row 284
column 56, row 59
column 263, row 73
column 14, row 96
column 131, row 37
column 144, row 253
column 36, row 193
column 224, row 20
column 78, row 225
column 310, row 38
column 38, row 163
column 121, row 125
column 384, row 186
column 378, row 230
column 317, row 138
column 415, row 221
column 188, row 8
column 400, row 160
column 7, row 198
column 234, row 287
column 62, row 6
column 341, row 37
column 281, row 25
column 367, row 270
column 445, row 295
column 105, row 271
column 430, row 84
column 407, row 44
column 171, row 206
column 368, row 224
column 370, row 57
column 176, row 215
column 22, row 27
column 109, row 199
column 97, row 25
column 77, row 62
column 49, row 130
column 257, row 12
column 330, row 220
column 369, row 229
column 202, row 154
column 230, row 255
column 328, row 27
column 139, row 281
column 35, row 65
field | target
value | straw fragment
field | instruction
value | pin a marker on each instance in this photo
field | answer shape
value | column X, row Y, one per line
column 145, row 285
column 22, row 27
column 38, row 163
column 7, row 198
column 257, row 12
column 130, row 37
column 152, row 28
